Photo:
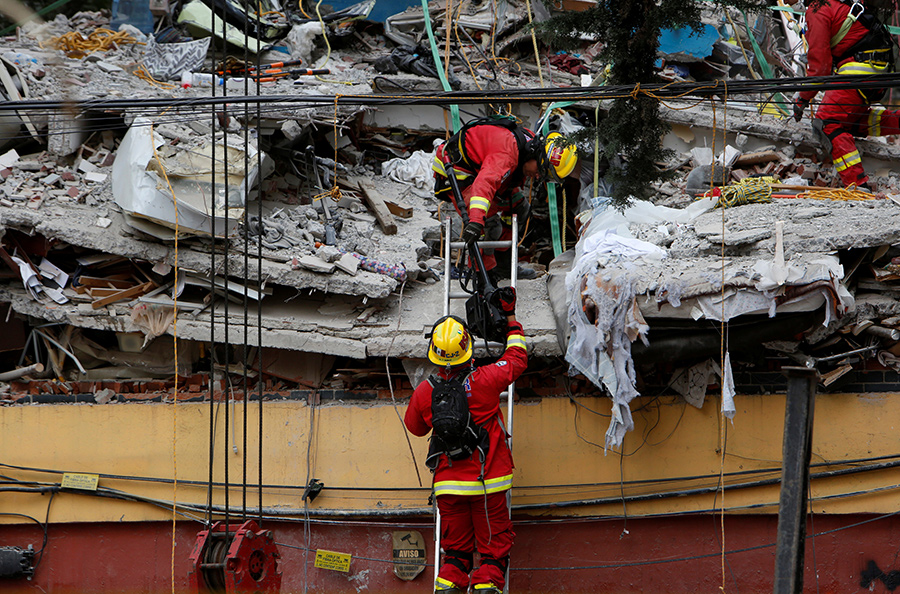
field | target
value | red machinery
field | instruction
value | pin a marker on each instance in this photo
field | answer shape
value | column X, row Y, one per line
column 236, row 558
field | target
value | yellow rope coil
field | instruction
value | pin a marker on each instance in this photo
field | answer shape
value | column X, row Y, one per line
column 750, row 190
column 848, row 193
column 77, row 45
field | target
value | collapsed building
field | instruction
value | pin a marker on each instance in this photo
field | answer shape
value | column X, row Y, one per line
column 295, row 251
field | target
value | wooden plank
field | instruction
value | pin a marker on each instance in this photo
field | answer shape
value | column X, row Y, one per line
column 96, row 281
column 379, row 208
column 122, row 295
column 100, row 292
column 757, row 158
column 399, row 209
column 13, row 92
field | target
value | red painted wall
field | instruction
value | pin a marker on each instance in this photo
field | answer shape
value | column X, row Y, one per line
column 576, row 557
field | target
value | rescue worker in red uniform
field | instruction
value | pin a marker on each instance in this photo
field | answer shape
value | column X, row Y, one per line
column 493, row 158
column 846, row 39
column 473, row 496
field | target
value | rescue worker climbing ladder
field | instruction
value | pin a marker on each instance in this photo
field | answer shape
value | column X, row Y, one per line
column 471, row 488
column 846, row 38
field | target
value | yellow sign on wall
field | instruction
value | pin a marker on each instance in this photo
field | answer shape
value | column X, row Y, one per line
column 85, row 482
column 332, row 560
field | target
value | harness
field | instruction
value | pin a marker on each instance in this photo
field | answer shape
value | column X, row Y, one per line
column 873, row 54
column 876, row 48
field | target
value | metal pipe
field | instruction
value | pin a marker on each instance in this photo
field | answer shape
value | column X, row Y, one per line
column 882, row 332
column 447, row 267
column 22, row 371
column 456, row 245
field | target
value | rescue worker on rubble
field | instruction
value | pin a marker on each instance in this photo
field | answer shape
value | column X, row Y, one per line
column 846, row 38
column 493, row 158
column 472, row 493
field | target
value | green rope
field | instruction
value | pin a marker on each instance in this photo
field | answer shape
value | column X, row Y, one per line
column 780, row 103
column 555, row 233
column 439, row 66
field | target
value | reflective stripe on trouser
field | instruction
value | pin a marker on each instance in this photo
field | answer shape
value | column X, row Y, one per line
column 847, row 161
column 845, row 114
column 470, row 523
column 493, row 485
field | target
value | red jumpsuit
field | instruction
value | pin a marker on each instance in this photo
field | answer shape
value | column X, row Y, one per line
column 490, row 184
column 473, row 506
column 844, row 113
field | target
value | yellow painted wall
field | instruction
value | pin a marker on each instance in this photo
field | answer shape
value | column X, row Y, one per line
column 557, row 448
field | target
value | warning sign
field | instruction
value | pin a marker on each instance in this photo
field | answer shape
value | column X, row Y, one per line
column 409, row 554
column 85, row 482
column 333, row 561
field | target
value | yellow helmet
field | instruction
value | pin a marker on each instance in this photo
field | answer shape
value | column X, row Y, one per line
column 561, row 160
column 450, row 343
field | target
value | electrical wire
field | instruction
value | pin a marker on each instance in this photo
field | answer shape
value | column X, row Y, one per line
column 854, row 466
column 659, row 91
column 44, row 527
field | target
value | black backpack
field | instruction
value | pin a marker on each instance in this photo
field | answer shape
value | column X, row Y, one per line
column 454, row 433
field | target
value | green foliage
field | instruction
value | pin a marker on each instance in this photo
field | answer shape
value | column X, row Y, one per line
column 630, row 30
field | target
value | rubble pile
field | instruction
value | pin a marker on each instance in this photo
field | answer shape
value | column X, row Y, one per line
column 322, row 219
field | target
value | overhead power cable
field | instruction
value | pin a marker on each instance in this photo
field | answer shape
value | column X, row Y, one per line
column 661, row 91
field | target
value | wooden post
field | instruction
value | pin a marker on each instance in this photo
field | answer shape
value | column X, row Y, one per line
column 798, row 423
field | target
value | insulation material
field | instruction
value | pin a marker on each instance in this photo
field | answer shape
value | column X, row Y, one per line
column 728, row 408
column 691, row 382
column 302, row 40
column 604, row 320
column 415, row 171
column 613, row 267
column 152, row 320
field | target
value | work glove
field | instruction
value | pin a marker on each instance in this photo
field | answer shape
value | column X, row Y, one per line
column 506, row 300
column 472, row 231
column 799, row 107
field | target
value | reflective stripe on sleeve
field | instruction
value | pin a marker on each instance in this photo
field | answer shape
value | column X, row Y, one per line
column 438, row 167
column 875, row 121
column 480, row 203
column 494, row 485
column 516, row 340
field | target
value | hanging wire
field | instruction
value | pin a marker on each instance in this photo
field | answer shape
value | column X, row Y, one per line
column 175, row 348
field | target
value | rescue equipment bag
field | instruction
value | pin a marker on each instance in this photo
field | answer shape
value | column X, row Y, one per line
column 454, row 433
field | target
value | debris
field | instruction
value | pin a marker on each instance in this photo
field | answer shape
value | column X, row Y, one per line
column 140, row 177
column 348, row 263
column 313, row 263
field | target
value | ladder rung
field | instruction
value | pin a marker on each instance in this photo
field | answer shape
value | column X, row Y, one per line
column 459, row 295
column 479, row 344
column 456, row 245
